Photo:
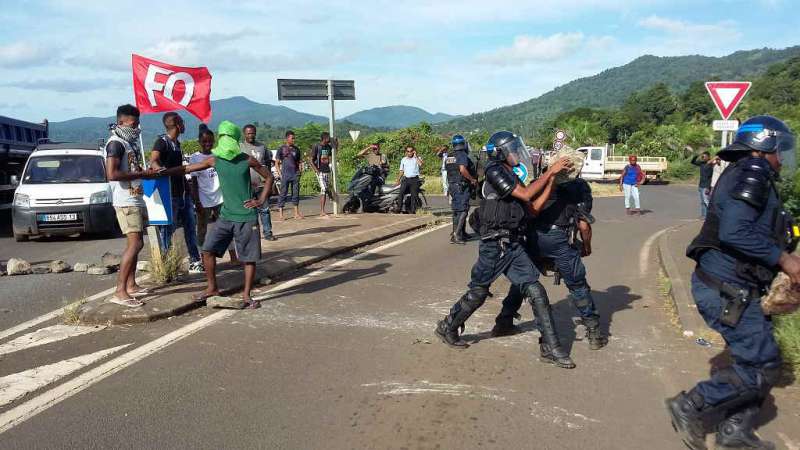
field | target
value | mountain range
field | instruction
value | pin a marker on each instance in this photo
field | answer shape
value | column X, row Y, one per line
column 242, row 110
column 607, row 89
column 611, row 87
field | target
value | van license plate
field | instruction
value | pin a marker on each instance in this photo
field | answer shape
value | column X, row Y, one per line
column 58, row 217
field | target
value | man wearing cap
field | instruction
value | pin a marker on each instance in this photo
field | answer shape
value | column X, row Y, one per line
column 746, row 239
column 238, row 217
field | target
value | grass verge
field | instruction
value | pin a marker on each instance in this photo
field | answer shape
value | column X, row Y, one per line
column 787, row 332
column 69, row 315
column 168, row 267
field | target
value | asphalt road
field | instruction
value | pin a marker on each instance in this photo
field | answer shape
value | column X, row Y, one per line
column 346, row 358
column 23, row 298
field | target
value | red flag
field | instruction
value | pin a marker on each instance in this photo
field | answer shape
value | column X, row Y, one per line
column 160, row 87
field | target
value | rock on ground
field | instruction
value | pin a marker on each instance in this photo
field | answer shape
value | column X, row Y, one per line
column 81, row 267
column 225, row 302
column 98, row 271
column 110, row 260
column 143, row 266
column 59, row 266
column 17, row 266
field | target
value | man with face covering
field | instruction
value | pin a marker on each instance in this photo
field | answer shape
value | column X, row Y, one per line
column 746, row 239
column 238, row 217
column 504, row 210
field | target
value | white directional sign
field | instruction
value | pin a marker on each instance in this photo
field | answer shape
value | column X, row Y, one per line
column 725, row 125
column 354, row 134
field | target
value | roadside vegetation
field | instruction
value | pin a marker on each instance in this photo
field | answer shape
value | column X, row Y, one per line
column 169, row 266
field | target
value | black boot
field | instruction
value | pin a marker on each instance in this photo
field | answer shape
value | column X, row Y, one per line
column 684, row 411
column 448, row 329
column 503, row 327
column 736, row 432
column 455, row 238
column 596, row 338
column 549, row 345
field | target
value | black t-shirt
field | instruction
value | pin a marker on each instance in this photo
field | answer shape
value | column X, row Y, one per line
column 562, row 202
column 115, row 149
column 321, row 155
column 170, row 156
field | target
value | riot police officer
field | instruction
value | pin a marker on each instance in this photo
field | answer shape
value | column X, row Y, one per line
column 460, row 177
column 553, row 237
column 746, row 239
column 503, row 211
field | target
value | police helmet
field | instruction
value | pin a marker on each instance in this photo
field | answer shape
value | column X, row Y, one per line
column 764, row 134
column 505, row 146
column 459, row 143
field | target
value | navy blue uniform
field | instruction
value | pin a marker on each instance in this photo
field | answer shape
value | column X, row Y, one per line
column 746, row 234
column 459, row 188
column 548, row 237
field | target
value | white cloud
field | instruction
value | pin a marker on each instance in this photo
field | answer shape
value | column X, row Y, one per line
column 689, row 30
column 527, row 49
column 20, row 55
column 67, row 85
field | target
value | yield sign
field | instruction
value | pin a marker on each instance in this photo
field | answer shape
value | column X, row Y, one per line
column 727, row 95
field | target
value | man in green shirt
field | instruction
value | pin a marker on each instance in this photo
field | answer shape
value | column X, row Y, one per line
column 238, row 217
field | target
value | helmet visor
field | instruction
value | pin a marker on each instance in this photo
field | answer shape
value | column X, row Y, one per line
column 787, row 154
column 518, row 155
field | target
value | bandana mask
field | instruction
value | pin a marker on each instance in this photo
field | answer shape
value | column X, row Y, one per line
column 227, row 146
column 126, row 133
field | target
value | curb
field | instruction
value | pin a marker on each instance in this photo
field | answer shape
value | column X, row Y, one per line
column 101, row 312
column 688, row 318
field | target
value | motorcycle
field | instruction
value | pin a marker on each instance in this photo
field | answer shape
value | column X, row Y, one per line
column 369, row 194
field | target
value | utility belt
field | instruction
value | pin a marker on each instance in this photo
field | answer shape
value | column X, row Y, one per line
column 735, row 299
column 504, row 237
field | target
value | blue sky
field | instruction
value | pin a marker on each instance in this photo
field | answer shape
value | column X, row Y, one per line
column 61, row 59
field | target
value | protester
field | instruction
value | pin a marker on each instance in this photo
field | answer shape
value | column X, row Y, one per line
column 125, row 170
column 372, row 154
column 258, row 151
column 167, row 154
column 238, row 218
column 706, row 165
column 632, row 177
column 208, row 196
column 320, row 160
column 289, row 167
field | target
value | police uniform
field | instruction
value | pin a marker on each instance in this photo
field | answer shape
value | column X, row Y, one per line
column 501, row 252
column 737, row 252
column 458, row 188
column 551, row 236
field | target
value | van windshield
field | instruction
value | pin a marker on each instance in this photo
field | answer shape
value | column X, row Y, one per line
column 65, row 169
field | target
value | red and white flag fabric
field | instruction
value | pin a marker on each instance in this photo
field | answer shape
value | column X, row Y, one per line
column 161, row 87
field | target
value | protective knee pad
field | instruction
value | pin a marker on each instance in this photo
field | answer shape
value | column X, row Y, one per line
column 536, row 294
column 580, row 297
column 475, row 297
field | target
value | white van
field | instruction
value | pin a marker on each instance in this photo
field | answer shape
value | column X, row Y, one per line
column 63, row 191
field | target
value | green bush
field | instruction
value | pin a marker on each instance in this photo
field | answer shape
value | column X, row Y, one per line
column 787, row 332
column 681, row 169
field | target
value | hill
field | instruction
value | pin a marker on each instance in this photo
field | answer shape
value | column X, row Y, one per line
column 239, row 110
column 610, row 88
column 398, row 116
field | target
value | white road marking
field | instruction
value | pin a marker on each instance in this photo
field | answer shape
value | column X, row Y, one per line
column 58, row 312
column 789, row 444
column 426, row 387
column 17, row 385
column 46, row 335
column 644, row 253
column 42, row 402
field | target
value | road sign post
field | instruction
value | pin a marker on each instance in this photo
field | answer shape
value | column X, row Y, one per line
column 726, row 96
column 321, row 90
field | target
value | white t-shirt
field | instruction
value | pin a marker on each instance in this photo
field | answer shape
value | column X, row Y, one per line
column 207, row 182
column 410, row 167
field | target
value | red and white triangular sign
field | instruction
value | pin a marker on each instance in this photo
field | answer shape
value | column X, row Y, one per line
column 727, row 95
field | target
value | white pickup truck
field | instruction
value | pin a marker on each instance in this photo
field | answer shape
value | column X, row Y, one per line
column 598, row 165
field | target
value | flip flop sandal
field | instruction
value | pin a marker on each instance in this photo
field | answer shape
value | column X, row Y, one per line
column 252, row 304
column 128, row 303
column 140, row 293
